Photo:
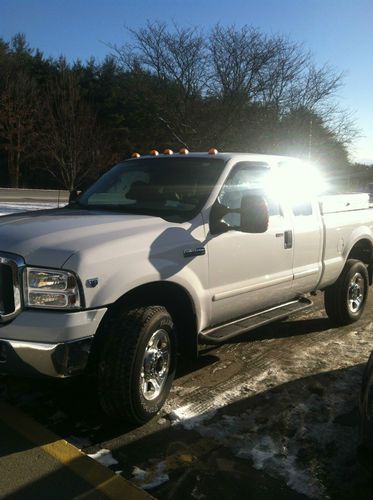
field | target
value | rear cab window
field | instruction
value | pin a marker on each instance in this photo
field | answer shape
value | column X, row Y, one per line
column 302, row 208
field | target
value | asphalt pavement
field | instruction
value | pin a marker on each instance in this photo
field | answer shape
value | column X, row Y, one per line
column 37, row 464
column 271, row 414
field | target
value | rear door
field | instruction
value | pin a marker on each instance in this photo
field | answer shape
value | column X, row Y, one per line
column 307, row 228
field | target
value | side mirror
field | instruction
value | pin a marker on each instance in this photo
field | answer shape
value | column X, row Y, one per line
column 74, row 195
column 254, row 214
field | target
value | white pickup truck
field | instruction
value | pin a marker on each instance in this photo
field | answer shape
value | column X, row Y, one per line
column 165, row 252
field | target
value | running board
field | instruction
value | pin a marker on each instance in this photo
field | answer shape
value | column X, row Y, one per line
column 224, row 332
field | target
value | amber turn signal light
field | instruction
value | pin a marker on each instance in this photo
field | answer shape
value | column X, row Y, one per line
column 154, row 152
column 168, row 152
column 184, row 151
column 135, row 155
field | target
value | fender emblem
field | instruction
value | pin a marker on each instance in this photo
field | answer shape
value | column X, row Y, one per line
column 193, row 252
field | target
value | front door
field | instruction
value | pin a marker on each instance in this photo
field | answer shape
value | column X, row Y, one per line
column 249, row 272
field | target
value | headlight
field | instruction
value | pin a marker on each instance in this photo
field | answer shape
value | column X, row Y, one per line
column 51, row 288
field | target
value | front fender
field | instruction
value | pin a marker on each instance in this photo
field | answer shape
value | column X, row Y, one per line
column 116, row 278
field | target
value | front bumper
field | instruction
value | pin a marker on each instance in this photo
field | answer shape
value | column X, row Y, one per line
column 53, row 343
column 55, row 360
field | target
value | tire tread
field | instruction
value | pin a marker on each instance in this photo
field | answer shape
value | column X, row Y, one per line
column 334, row 297
column 122, row 337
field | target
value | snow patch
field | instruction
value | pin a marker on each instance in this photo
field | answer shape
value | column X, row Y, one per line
column 151, row 478
column 183, row 391
column 7, row 208
column 266, row 454
column 191, row 416
column 188, row 417
column 104, row 457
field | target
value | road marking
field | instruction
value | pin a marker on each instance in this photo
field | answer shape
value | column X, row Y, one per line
column 100, row 477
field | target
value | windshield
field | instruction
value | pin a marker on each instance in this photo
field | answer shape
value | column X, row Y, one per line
column 176, row 187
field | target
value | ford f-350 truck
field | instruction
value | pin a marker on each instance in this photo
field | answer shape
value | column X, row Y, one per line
column 165, row 252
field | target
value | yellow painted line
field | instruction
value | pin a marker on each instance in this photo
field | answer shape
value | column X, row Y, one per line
column 97, row 475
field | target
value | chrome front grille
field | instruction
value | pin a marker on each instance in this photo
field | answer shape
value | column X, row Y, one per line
column 10, row 286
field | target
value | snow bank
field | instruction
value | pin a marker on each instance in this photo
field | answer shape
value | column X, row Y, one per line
column 12, row 207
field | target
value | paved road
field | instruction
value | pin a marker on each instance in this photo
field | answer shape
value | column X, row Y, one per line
column 272, row 414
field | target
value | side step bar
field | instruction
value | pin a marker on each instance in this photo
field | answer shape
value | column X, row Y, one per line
column 224, row 332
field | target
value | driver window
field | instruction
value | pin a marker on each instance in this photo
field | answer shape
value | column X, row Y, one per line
column 244, row 177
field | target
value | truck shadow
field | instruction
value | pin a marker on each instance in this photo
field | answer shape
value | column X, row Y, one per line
column 304, row 432
column 168, row 259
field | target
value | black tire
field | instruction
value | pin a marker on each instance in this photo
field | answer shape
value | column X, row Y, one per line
column 124, row 392
column 345, row 300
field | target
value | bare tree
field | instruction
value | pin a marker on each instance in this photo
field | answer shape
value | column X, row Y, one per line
column 72, row 143
column 270, row 70
column 314, row 87
column 18, row 117
column 280, row 73
column 237, row 57
column 177, row 54
column 234, row 85
column 342, row 123
column 177, row 57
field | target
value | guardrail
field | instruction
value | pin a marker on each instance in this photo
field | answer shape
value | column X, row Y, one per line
column 47, row 195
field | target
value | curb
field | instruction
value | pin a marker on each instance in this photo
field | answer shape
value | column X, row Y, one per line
column 102, row 479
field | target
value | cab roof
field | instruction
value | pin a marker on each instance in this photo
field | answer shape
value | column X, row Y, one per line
column 222, row 156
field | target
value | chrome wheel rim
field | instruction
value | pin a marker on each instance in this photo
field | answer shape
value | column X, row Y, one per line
column 356, row 292
column 155, row 365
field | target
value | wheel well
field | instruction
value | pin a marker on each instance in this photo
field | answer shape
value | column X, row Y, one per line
column 363, row 250
column 178, row 303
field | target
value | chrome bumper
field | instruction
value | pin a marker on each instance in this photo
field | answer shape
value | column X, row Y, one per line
column 33, row 358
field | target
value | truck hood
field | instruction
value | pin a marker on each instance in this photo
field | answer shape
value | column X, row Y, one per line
column 49, row 237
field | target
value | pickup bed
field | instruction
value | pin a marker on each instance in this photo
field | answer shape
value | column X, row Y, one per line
column 166, row 252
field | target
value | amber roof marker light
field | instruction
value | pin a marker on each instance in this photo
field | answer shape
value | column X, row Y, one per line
column 212, row 151
column 184, row 151
column 168, row 152
column 153, row 152
column 135, row 155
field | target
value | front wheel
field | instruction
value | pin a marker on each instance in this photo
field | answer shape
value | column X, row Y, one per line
column 137, row 364
column 345, row 300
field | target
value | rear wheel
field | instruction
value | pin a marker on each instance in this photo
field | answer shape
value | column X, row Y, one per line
column 137, row 363
column 346, row 298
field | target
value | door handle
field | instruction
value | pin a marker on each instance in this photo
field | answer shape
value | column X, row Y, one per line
column 279, row 235
column 288, row 242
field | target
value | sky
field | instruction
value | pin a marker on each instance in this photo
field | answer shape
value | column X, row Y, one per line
column 338, row 32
